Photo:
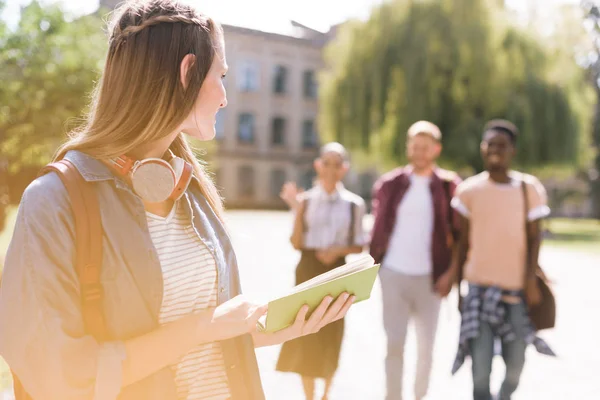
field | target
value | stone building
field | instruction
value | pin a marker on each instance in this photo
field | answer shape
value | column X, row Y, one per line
column 268, row 134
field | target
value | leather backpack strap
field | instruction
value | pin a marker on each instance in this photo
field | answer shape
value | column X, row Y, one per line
column 88, row 245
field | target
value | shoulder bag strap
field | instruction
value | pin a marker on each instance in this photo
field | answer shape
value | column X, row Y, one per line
column 353, row 222
column 529, row 269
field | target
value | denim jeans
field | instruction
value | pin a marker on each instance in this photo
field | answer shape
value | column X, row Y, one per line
column 513, row 353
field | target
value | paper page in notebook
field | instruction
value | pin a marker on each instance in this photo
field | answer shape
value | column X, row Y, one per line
column 346, row 269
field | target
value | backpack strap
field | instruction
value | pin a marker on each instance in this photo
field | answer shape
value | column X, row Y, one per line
column 305, row 203
column 88, row 250
column 88, row 245
column 529, row 268
column 352, row 224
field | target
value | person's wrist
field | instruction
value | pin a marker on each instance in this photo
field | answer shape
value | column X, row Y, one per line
column 259, row 339
column 205, row 326
column 223, row 327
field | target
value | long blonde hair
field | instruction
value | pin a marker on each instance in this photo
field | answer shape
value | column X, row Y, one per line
column 140, row 98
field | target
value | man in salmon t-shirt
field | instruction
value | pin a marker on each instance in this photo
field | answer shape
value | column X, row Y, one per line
column 493, row 234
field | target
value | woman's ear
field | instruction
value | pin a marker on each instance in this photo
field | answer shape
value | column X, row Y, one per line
column 187, row 63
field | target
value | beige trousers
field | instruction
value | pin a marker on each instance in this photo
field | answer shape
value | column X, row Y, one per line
column 408, row 297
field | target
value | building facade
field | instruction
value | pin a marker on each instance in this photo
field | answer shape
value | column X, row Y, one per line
column 267, row 134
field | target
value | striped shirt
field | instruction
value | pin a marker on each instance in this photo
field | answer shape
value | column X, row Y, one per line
column 190, row 285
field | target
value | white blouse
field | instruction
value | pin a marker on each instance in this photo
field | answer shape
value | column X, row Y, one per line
column 328, row 218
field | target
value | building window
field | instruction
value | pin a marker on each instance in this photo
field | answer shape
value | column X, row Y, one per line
column 310, row 84
column 246, row 181
column 309, row 136
column 277, row 181
column 220, row 125
column 278, row 131
column 280, row 79
column 249, row 76
column 246, row 128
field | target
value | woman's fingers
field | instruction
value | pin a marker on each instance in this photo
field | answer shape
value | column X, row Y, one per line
column 337, row 310
column 328, row 311
column 301, row 316
column 342, row 313
column 317, row 316
column 334, row 309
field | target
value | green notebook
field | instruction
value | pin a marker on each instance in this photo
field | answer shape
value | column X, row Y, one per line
column 356, row 277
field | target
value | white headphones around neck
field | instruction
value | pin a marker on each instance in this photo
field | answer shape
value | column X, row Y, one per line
column 154, row 179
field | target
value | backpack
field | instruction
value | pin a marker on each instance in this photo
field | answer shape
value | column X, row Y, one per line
column 88, row 248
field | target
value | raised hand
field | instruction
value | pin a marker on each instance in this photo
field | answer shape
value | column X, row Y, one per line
column 289, row 194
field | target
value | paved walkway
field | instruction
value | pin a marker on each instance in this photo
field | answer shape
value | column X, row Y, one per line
column 268, row 261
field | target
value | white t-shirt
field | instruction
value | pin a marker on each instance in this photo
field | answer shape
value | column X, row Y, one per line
column 409, row 251
column 190, row 285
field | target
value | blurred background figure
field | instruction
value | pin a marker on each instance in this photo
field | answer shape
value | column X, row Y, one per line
column 412, row 237
column 327, row 228
column 501, row 212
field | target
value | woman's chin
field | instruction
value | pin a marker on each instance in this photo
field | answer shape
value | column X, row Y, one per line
column 203, row 134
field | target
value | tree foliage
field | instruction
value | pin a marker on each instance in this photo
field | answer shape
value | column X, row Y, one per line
column 48, row 65
column 457, row 63
column 592, row 64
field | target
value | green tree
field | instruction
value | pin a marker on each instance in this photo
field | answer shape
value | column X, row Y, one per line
column 457, row 63
column 591, row 61
column 48, row 65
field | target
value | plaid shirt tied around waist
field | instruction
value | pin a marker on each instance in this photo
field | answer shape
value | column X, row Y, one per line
column 485, row 304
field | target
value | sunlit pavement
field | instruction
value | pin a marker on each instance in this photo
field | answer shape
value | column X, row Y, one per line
column 267, row 263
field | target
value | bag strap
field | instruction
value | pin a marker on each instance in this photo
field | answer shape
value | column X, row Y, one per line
column 455, row 237
column 352, row 224
column 88, row 245
column 305, row 203
column 529, row 269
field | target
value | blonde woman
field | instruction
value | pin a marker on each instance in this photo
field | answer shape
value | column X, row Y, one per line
column 178, row 326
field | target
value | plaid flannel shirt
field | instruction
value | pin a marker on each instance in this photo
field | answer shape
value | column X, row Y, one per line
column 485, row 304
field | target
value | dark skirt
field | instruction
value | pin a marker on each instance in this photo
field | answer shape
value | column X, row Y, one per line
column 316, row 355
